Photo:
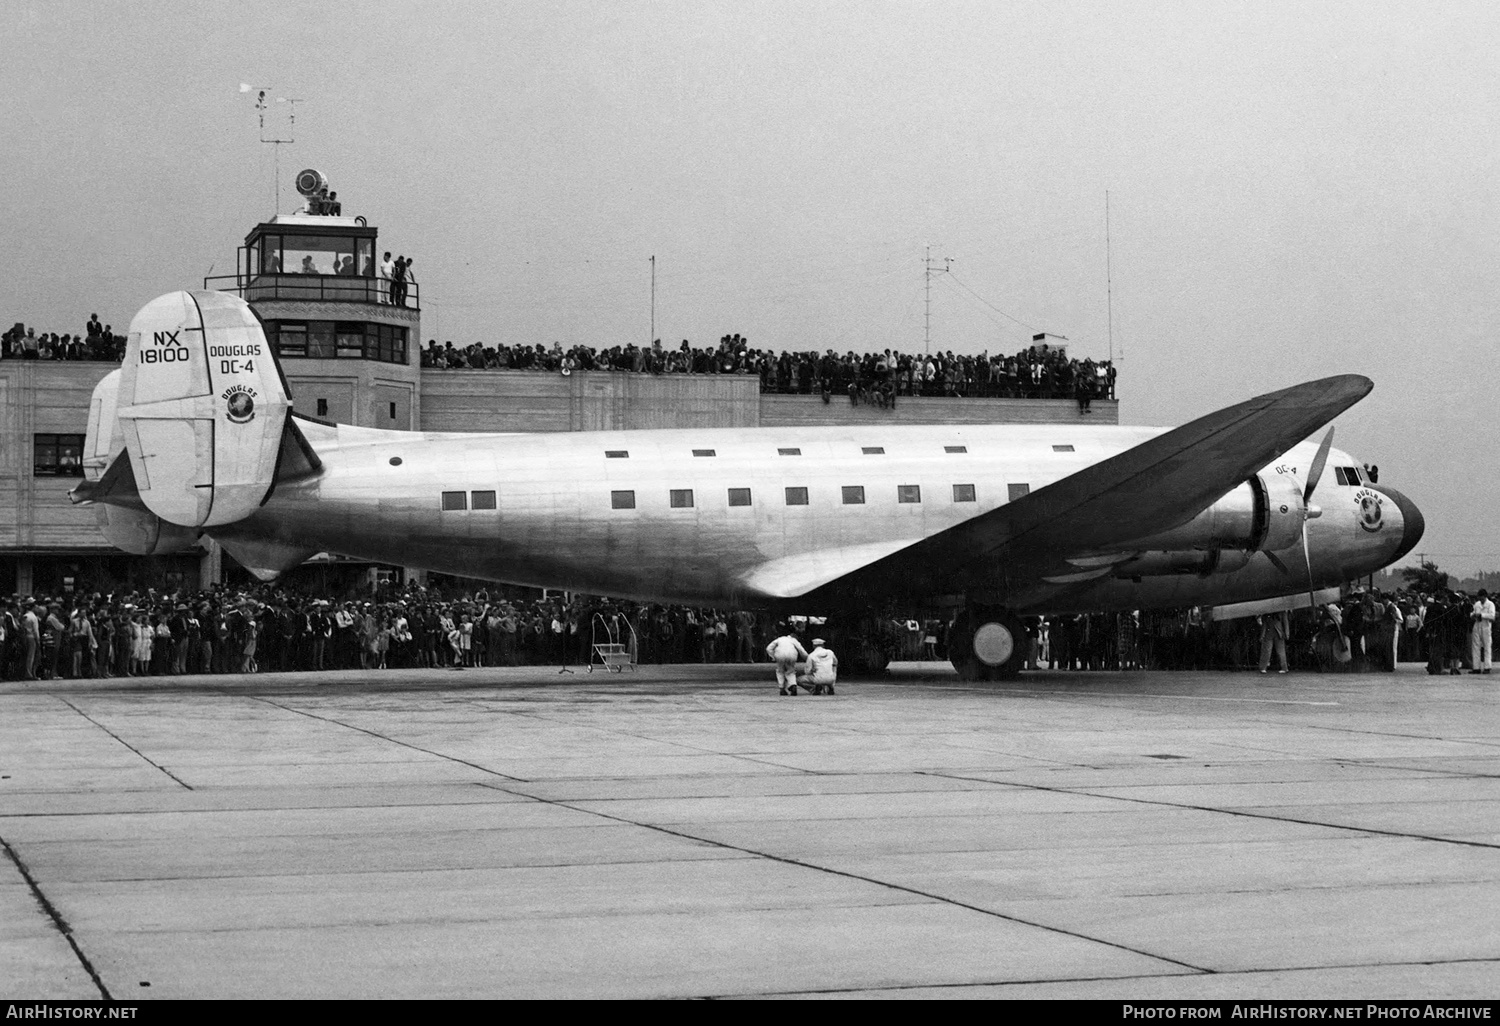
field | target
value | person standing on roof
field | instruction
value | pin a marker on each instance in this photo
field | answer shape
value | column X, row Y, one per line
column 785, row 651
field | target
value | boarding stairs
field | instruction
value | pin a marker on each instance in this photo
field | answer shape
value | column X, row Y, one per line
column 614, row 649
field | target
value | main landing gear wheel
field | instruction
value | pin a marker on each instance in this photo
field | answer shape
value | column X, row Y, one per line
column 987, row 644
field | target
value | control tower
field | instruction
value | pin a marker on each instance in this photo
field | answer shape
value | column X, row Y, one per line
column 347, row 335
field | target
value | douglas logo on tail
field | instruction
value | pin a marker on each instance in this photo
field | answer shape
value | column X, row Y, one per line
column 239, row 403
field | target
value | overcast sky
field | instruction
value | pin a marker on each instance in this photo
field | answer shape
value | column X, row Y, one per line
column 1295, row 189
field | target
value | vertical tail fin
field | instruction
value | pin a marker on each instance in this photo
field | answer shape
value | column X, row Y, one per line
column 202, row 407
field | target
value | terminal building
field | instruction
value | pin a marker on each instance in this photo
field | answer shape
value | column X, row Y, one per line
column 348, row 340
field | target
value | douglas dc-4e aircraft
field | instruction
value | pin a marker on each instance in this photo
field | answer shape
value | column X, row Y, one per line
column 194, row 435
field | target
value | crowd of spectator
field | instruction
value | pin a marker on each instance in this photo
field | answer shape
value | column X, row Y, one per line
column 96, row 342
column 1369, row 631
column 878, row 378
column 1040, row 371
column 265, row 628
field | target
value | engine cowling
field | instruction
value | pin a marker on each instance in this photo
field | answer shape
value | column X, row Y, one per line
column 142, row 533
column 1261, row 514
column 1201, row 562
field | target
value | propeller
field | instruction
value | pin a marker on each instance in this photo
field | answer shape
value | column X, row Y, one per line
column 1309, row 511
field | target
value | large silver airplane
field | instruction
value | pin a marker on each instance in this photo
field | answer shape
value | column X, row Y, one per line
column 195, row 435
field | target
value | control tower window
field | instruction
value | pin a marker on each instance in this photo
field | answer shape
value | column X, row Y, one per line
column 351, row 339
column 320, row 340
column 290, row 337
column 342, row 340
column 345, row 256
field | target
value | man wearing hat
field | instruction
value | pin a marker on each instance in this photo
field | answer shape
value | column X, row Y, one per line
column 822, row 668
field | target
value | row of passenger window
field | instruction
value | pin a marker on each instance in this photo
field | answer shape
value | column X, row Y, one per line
column 682, row 498
column 853, row 495
column 868, row 450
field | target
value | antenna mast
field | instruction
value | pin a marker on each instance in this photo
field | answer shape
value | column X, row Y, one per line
column 1109, row 287
column 291, row 131
column 928, row 268
column 653, row 302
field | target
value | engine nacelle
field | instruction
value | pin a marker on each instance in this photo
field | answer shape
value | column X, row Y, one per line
column 142, row 533
column 1201, row 562
column 1262, row 514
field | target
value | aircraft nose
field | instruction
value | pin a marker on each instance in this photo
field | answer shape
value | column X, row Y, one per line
column 1412, row 523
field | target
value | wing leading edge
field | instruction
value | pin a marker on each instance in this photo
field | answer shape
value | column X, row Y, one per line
column 1152, row 487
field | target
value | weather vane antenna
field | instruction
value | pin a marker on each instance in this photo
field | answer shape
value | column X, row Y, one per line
column 277, row 142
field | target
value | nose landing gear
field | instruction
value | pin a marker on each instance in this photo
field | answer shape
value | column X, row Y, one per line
column 987, row 643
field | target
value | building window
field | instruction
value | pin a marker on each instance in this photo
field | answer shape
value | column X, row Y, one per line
column 704, row 452
column 484, row 500
column 873, row 450
column 963, row 493
column 796, row 496
column 682, row 498
column 617, row 454
column 320, row 341
column 955, row 448
column 290, row 338
column 57, row 456
column 349, row 340
column 789, row 452
column 908, row 493
column 739, row 496
column 854, row 495
column 622, row 500
column 1018, row 491
column 455, row 500
column 393, row 411
column 322, row 407
column 330, row 340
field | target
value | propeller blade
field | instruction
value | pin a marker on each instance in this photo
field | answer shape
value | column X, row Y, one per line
column 1276, row 560
column 1312, row 602
column 1319, row 461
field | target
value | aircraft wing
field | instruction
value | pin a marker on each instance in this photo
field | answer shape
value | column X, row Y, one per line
column 1153, row 487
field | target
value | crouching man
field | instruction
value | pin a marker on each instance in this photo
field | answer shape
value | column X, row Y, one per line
column 822, row 669
column 785, row 651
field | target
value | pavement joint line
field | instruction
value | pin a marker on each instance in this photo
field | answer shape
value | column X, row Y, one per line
column 667, row 741
column 394, row 741
column 249, row 809
column 122, row 741
column 801, row 864
column 1482, row 742
column 1246, row 813
column 1223, row 974
column 57, row 920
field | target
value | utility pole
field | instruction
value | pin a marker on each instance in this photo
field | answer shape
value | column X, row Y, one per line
column 653, row 302
column 928, row 268
column 1109, row 282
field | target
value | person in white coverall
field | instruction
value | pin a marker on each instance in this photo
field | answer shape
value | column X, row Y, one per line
column 784, row 652
column 822, row 669
column 1481, row 635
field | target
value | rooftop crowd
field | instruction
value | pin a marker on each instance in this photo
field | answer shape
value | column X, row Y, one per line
column 1039, row 371
column 265, row 628
column 96, row 342
column 879, row 378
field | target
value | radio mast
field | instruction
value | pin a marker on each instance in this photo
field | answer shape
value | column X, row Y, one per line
column 928, row 268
